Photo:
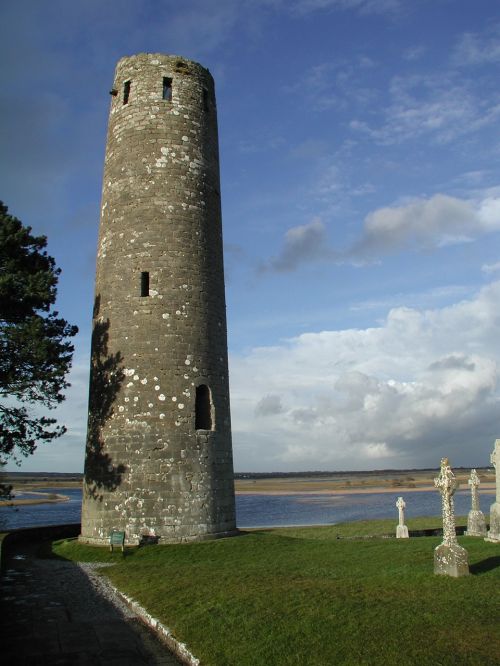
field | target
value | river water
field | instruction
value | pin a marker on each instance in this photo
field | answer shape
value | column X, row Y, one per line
column 266, row 510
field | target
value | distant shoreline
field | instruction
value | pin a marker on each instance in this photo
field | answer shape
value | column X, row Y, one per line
column 486, row 488
column 44, row 498
column 274, row 486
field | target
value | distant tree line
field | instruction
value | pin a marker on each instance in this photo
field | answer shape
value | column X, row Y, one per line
column 322, row 474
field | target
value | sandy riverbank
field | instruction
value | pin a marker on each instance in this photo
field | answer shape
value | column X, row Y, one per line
column 42, row 498
column 344, row 484
column 486, row 488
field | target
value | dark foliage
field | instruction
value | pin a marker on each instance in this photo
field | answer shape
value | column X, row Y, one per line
column 35, row 351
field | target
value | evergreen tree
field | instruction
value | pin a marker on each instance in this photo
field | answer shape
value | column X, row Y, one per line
column 35, row 350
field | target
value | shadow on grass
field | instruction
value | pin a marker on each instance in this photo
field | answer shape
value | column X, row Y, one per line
column 81, row 552
column 485, row 565
column 44, row 551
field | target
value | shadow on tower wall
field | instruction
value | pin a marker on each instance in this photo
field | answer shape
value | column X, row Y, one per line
column 106, row 377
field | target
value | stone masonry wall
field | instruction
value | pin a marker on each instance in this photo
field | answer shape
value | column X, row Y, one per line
column 152, row 468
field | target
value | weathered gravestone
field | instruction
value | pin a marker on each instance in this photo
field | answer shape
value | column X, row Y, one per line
column 450, row 559
column 401, row 530
column 494, row 533
column 476, row 524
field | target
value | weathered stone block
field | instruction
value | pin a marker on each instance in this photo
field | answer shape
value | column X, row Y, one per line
column 494, row 531
column 476, row 524
column 451, row 560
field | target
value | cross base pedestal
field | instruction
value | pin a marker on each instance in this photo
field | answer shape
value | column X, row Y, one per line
column 451, row 560
column 494, row 533
column 476, row 524
column 402, row 532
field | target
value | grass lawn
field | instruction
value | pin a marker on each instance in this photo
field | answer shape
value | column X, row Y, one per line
column 310, row 596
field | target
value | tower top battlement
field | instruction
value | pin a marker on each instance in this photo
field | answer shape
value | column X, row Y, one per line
column 179, row 63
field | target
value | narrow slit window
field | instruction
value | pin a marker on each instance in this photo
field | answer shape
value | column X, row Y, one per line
column 126, row 91
column 145, row 283
column 203, row 408
column 205, row 99
column 167, row 89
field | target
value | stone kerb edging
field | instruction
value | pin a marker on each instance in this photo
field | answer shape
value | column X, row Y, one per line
column 163, row 632
column 72, row 530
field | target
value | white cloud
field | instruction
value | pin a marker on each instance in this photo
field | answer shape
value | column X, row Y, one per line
column 491, row 268
column 428, row 298
column 426, row 223
column 414, row 53
column 187, row 28
column 336, row 84
column 361, row 6
column 442, row 107
column 304, row 243
column 268, row 405
column 309, row 149
column 478, row 49
column 489, row 214
column 422, row 385
column 420, row 224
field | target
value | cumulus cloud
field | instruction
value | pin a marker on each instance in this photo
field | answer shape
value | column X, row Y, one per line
column 421, row 385
column 426, row 223
column 452, row 362
column 420, row 224
column 302, row 244
column 268, row 405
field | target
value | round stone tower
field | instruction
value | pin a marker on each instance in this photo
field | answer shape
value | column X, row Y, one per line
column 158, row 457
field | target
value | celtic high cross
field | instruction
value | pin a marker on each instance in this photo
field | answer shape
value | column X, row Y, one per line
column 474, row 482
column 447, row 484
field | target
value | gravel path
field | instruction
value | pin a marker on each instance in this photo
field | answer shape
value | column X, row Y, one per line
column 59, row 613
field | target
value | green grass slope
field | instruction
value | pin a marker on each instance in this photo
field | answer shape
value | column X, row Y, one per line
column 305, row 596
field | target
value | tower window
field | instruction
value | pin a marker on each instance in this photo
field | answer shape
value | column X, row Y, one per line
column 205, row 99
column 145, row 283
column 203, row 408
column 126, row 91
column 167, row 89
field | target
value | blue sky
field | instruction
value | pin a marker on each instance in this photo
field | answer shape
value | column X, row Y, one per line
column 359, row 150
